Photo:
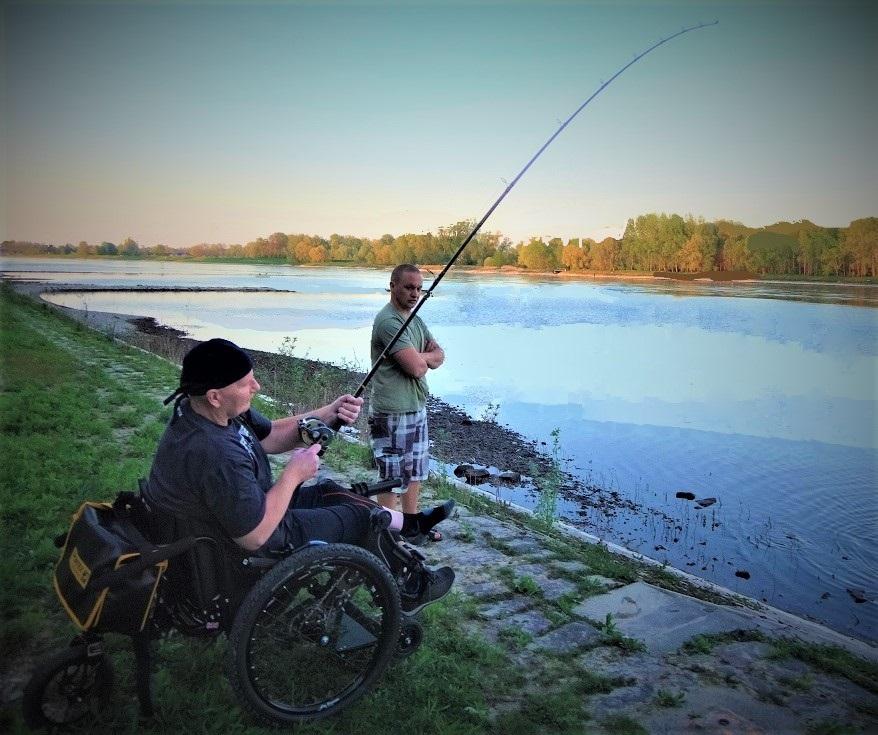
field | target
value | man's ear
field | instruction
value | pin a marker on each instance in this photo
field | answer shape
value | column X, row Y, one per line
column 213, row 397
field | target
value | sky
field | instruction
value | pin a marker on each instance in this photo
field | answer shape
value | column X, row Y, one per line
column 188, row 122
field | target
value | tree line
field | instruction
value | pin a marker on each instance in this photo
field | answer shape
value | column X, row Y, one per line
column 650, row 243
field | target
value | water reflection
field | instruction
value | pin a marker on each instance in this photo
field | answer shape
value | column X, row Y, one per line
column 800, row 372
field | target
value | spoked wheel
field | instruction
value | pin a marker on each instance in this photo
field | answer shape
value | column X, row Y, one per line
column 68, row 688
column 411, row 635
column 314, row 634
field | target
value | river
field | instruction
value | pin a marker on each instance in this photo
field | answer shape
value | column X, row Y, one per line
column 763, row 396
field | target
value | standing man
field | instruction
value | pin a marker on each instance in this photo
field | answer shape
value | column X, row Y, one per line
column 398, row 402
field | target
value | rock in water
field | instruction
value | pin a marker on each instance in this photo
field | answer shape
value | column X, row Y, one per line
column 462, row 469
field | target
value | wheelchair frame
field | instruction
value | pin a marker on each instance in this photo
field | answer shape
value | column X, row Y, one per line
column 330, row 611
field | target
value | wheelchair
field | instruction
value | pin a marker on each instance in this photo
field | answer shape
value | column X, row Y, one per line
column 309, row 633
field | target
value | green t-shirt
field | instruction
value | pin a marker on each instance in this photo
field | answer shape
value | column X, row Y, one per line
column 394, row 390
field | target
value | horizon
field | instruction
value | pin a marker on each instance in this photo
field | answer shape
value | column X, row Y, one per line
column 181, row 123
column 514, row 244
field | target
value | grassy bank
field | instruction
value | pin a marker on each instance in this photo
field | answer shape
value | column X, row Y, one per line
column 81, row 416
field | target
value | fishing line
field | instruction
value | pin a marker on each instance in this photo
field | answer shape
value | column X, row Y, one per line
column 472, row 234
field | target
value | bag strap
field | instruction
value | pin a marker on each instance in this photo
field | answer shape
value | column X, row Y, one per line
column 148, row 558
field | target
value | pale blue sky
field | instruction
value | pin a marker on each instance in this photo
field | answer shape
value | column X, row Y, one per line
column 222, row 122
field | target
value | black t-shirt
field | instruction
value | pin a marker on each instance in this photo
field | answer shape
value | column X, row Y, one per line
column 215, row 474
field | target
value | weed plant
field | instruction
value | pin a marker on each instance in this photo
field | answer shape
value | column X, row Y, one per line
column 550, row 484
column 622, row 725
column 516, row 638
column 829, row 659
column 664, row 698
column 490, row 413
column 614, row 637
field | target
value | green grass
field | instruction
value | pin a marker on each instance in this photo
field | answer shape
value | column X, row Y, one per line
column 550, row 712
column 515, row 638
column 664, row 698
column 830, row 660
column 466, row 533
column 833, row 728
column 525, row 585
column 61, row 443
column 801, row 683
column 622, row 725
column 614, row 637
column 705, row 643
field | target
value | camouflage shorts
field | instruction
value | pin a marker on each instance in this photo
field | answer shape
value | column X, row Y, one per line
column 400, row 446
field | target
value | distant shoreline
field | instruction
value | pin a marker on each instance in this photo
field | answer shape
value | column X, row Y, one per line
column 729, row 277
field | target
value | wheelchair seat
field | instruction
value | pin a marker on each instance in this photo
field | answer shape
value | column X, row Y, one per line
column 203, row 587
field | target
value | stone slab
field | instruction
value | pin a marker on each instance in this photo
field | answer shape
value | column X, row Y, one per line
column 505, row 608
column 662, row 619
column 532, row 621
column 494, row 528
column 571, row 566
column 553, row 589
column 527, row 546
column 568, row 638
column 481, row 588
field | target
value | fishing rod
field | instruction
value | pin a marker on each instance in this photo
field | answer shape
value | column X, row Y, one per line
column 472, row 234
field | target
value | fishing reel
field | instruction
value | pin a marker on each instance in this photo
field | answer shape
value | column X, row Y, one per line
column 313, row 431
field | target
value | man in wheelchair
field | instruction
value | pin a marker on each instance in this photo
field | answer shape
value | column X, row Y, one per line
column 211, row 467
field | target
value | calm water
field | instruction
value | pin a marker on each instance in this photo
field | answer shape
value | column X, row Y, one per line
column 762, row 396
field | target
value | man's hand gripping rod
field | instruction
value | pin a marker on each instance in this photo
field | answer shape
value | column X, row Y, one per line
column 494, row 206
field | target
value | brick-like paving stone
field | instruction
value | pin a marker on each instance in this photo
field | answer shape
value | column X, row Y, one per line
column 569, row 637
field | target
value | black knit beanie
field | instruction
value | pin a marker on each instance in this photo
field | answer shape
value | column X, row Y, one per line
column 212, row 364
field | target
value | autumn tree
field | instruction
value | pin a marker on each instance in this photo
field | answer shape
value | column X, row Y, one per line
column 606, row 255
column 574, row 257
column 277, row 246
column 537, row 256
column 862, row 243
column 299, row 248
column 736, row 256
column 129, row 248
column 256, row 248
column 812, row 244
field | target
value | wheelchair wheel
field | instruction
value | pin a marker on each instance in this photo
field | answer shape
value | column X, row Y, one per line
column 314, row 634
column 411, row 635
column 68, row 688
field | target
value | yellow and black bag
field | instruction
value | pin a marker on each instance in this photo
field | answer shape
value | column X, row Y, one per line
column 108, row 572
